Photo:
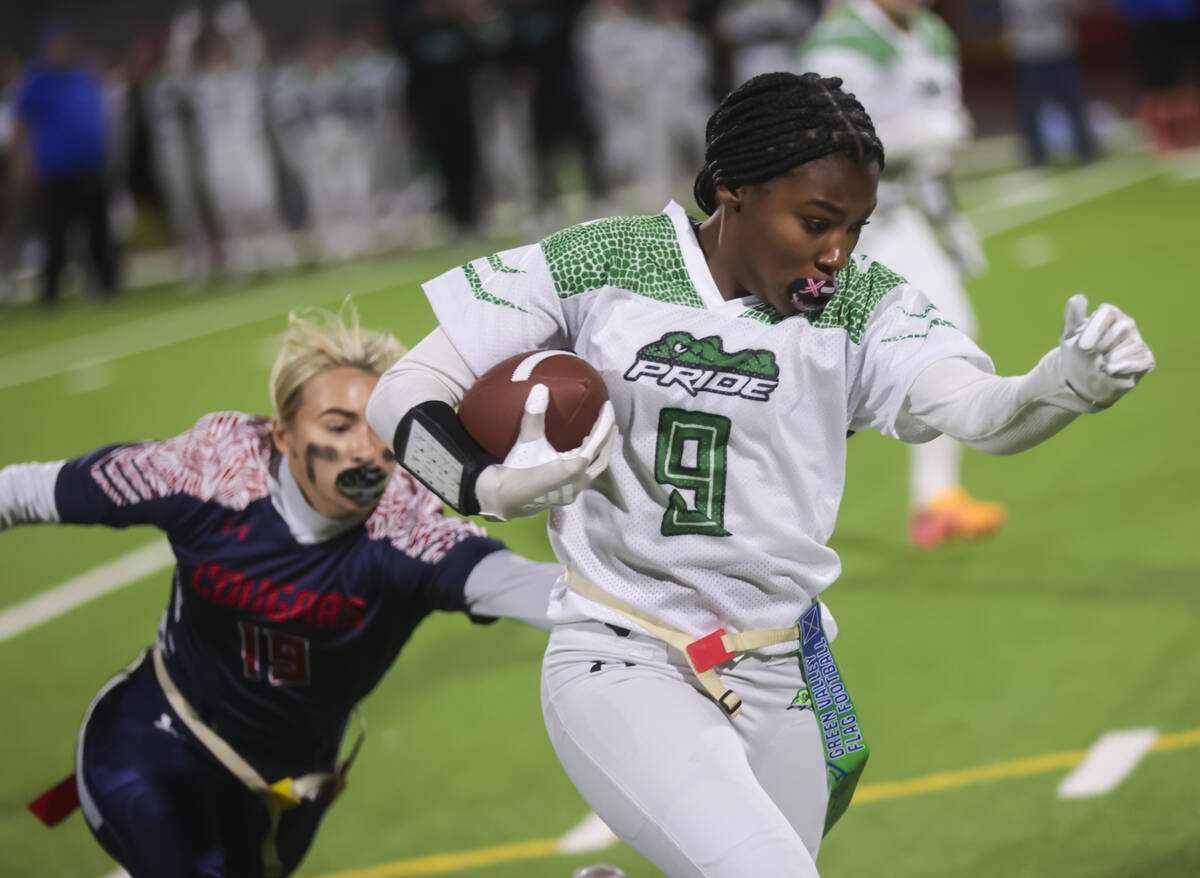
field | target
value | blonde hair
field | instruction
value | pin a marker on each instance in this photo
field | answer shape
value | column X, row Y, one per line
column 319, row 341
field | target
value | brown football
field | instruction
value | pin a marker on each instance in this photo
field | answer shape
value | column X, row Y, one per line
column 491, row 409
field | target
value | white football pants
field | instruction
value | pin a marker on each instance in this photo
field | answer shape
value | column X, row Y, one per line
column 903, row 240
column 696, row 793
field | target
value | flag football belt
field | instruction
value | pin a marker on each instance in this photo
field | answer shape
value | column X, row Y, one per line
column 846, row 749
column 280, row 796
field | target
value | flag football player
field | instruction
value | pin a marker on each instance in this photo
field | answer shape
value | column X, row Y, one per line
column 304, row 561
column 688, row 687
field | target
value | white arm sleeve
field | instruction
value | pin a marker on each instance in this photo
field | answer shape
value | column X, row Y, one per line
column 433, row 370
column 27, row 493
column 996, row 414
column 505, row 584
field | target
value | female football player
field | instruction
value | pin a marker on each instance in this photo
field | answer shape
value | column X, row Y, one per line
column 303, row 564
column 688, row 687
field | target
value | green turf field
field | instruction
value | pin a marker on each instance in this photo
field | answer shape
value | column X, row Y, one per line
column 1079, row 618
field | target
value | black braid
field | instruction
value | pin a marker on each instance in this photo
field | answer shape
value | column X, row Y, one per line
column 775, row 121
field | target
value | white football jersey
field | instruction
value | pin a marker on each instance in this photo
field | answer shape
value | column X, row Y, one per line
column 725, row 482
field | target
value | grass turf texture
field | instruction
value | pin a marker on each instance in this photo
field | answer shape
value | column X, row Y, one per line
column 1078, row 618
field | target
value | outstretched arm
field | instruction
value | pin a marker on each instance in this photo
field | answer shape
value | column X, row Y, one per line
column 504, row 584
column 27, row 493
column 1098, row 360
column 161, row 483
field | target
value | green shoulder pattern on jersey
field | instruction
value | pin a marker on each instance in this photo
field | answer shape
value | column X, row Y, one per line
column 937, row 35
column 483, row 295
column 857, row 295
column 497, row 264
column 846, row 30
column 636, row 253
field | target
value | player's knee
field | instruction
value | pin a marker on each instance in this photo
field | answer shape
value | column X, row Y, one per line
column 771, row 852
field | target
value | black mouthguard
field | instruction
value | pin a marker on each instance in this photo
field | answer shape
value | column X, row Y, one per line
column 809, row 294
column 363, row 485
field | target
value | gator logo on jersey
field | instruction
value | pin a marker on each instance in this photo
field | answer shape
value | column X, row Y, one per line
column 697, row 364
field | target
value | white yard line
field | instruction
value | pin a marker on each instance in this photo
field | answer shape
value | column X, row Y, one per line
column 1108, row 762
column 1025, row 204
column 120, row 873
column 182, row 324
column 589, row 834
column 86, row 587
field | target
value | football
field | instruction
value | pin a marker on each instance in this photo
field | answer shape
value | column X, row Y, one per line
column 492, row 408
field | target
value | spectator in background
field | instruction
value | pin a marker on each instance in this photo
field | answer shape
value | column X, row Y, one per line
column 437, row 40
column 1166, row 36
column 1040, row 35
column 236, row 158
column 176, row 150
column 13, row 178
column 677, row 96
column 541, row 48
column 60, row 110
column 762, row 35
column 609, row 56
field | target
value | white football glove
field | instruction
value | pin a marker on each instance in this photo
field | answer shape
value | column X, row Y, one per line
column 1101, row 356
column 534, row 476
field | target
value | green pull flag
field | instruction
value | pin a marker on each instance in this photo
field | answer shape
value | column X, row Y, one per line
column 846, row 749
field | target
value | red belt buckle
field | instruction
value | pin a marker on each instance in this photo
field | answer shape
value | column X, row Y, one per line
column 708, row 651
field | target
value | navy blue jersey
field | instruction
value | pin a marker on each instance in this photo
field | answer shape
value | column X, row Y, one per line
column 273, row 641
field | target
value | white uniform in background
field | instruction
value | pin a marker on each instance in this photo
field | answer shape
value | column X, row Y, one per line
column 239, row 169
column 504, row 110
column 121, row 211
column 610, row 48
column 325, row 128
column 909, row 83
column 714, row 513
column 677, row 100
column 763, row 34
column 378, row 82
column 176, row 164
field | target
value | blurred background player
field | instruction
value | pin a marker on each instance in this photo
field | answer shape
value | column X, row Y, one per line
column 62, row 120
column 442, row 54
column 324, row 130
column 239, row 169
column 539, row 53
column 16, row 179
column 762, row 35
column 677, row 100
column 610, row 54
column 304, row 562
column 1040, row 36
column 176, row 149
column 901, row 61
column 378, row 82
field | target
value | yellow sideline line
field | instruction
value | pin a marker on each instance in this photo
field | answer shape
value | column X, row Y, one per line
column 437, row 864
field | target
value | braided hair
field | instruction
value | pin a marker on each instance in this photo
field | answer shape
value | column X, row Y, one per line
column 776, row 121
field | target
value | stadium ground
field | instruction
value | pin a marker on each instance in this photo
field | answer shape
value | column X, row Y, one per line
column 1078, row 619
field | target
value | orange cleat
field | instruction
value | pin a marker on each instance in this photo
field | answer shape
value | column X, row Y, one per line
column 954, row 514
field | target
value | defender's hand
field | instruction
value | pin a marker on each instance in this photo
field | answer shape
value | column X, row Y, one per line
column 534, row 476
column 1102, row 356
